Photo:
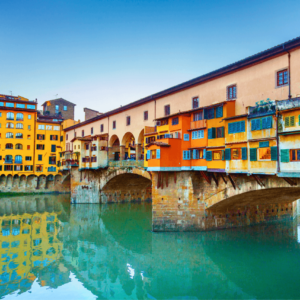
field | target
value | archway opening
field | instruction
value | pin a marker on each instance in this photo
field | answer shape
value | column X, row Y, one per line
column 128, row 141
column 114, row 148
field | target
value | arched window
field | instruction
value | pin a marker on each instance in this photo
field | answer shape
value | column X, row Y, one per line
column 19, row 135
column 9, row 135
column 19, row 117
column 10, row 116
column 19, row 126
column 9, row 125
column 8, row 158
column 9, row 146
column 19, row 146
column 18, row 159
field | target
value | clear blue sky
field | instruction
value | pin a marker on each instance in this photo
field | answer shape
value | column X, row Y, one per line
column 103, row 54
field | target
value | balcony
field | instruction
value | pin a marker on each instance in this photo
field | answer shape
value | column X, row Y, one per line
column 262, row 109
column 198, row 124
column 8, row 161
column 150, row 129
column 126, row 163
column 288, row 104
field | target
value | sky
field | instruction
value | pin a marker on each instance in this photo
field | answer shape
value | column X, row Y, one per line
column 103, row 54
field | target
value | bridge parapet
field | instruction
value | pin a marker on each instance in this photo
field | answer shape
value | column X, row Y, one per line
column 126, row 163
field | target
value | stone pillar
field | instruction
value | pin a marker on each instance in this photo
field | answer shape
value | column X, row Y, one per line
column 110, row 154
column 122, row 153
column 138, row 151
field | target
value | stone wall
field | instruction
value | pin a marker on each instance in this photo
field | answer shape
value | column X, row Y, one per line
column 186, row 201
column 34, row 184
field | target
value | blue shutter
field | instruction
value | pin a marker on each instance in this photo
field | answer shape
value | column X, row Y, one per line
column 285, row 155
column 193, row 135
column 205, row 114
column 264, row 123
column 214, row 130
column 253, row 154
column 189, row 154
column 219, row 112
column 242, row 126
column 238, row 126
column 204, row 153
column 194, row 154
column 209, row 155
column 223, row 154
column 244, row 153
column 263, row 144
column 210, row 133
column 148, row 154
column 201, row 134
column 234, row 127
column 253, row 125
column 53, row 148
column 184, row 155
column 157, row 153
column 258, row 124
column 227, row 154
column 274, row 153
column 269, row 122
column 230, row 128
column 186, row 137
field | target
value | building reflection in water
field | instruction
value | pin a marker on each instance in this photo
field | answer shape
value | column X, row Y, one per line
column 113, row 254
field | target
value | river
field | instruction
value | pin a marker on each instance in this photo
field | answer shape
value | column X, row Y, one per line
column 53, row 250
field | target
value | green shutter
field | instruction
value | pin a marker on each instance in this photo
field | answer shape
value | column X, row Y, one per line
column 299, row 120
column 223, row 155
column 285, row 155
column 209, row 155
column 213, row 132
column 227, row 154
column 253, row 154
column 274, row 153
column 287, row 121
column 244, row 153
column 292, row 121
column 209, row 133
column 223, row 131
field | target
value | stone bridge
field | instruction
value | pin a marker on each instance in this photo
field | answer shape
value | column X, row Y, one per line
column 34, row 184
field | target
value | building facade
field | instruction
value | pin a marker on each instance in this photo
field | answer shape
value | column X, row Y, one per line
column 59, row 107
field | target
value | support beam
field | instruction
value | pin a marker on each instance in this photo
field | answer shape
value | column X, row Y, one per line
column 205, row 176
column 290, row 181
column 234, row 185
column 223, row 177
column 214, row 177
column 258, row 180
column 175, row 178
column 167, row 179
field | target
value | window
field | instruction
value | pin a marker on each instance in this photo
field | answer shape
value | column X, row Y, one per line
column 92, row 130
column 289, row 121
column 53, row 148
column 7, row 104
column 186, row 155
column 186, row 137
column 19, row 126
column 231, row 92
column 199, row 154
column 48, row 127
column 18, row 168
column 217, row 155
column 101, row 128
column 41, row 127
column 56, row 108
column 19, row 117
column 1, row 103
column 10, row 116
column 18, row 159
column 87, row 147
column 19, row 146
column 30, row 106
column 19, row 105
column 219, row 112
column 19, row 135
column 8, row 158
column 52, row 160
column 167, row 110
column 40, row 147
column 127, row 120
column 56, row 128
column 220, row 132
column 153, row 154
column 195, row 102
column 175, row 121
column 28, row 168
column 29, row 117
column 40, row 136
column 65, row 108
column 28, row 158
column 29, row 127
column 94, row 159
column 82, row 133
column 53, row 137
column 295, row 154
column 264, row 153
column 68, row 136
column 8, row 168
column 146, row 115
column 9, row 125
column 40, row 157
column 235, row 153
column 9, row 135
column 199, row 134
column 261, row 123
column 39, row 168
column 114, row 124
column 236, row 127
column 9, row 146
column 209, row 113
column 198, row 116
column 74, row 147
column 282, row 78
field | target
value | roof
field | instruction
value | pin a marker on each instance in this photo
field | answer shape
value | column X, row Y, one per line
column 59, row 99
column 236, row 117
column 256, row 58
column 89, row 139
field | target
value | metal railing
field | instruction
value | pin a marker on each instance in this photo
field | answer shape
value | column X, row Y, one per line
column 198, row 124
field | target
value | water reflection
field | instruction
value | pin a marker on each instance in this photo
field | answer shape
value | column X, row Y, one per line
column 109, row 252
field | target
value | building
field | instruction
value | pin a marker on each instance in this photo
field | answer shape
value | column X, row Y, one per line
column 90, row 113
column 59, row 107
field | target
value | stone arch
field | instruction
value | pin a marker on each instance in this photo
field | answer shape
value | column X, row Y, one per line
column 31, row 182
column 50, row 181
column 41, row 182
column 2, row 181
column 9, row 181
column 114, row 141
column 141, row 137
column 126, row 185
column 114, row 148
column 58, row 178
column 128, row 143
column 140, row 147
column 22, row 183
column 16, row 181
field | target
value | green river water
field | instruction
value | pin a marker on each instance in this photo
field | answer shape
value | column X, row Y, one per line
column 53, row 250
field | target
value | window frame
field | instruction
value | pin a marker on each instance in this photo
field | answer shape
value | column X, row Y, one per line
column 128, row 120
column 234, row 85
column 239, row 153
column 278, row 72
column 291, row 156
column 146, row 115
column 167, row 106
column 198, row 102
column 258, row 154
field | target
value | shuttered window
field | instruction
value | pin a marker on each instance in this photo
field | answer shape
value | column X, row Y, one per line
column 253, row 154
column 285, row 155
column 186, row 155
column 220, row 132
column 227, row 154
column 186, row 137
column 236, row 127
column 295, row 154
column 157, row 153
column 53, row 148
column 148, row 154
column 263, row 144
column 209, row 155
column 219, row 112
column 244, row 153
column 266, row 123
column 274, row 153
column 289, row 121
